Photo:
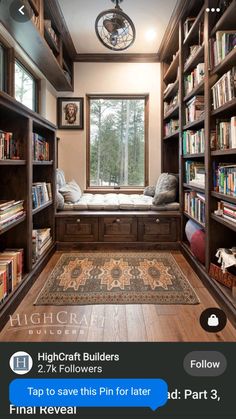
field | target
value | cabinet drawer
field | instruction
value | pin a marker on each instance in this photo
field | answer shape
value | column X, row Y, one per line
column 158, row 229
column 82, row 229
column 118, row 229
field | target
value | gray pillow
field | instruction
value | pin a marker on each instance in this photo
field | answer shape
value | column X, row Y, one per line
column 149, row 191
column 60, row 201
column 166, row 189
column 71, row 192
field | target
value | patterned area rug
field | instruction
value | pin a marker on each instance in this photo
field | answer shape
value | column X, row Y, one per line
column 116, row 278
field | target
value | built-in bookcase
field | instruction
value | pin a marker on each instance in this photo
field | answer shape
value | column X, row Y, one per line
column 17, row 178
column 197, row 30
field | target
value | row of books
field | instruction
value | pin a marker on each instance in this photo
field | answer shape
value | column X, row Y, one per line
column 194, row 205
column 9, row 146
column 194, row 78
column 168, row 106
column 194, row 141
column 41, row 193
column 221, row 46
column 11, row 271
column 40, row 148
column 193, row 50
column 10, row 211
column 228, row 211
column 224, row 137
column 194, row 109
column 224, row 178
column 225, row 89
column 195, row 173
column 41, row 240
column 171, row 127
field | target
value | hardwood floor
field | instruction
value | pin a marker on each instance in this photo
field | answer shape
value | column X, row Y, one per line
column 113, row 323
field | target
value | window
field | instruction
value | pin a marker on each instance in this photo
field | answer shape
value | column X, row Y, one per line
column 25, row 87
column 117, row 146
column 2, row 68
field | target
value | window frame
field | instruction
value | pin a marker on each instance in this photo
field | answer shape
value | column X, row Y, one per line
column 4, row 80
column 36, row 88
column 123, row 189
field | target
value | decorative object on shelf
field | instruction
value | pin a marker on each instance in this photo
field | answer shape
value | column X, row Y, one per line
column 226, row 257
column 227, row 279
column 70, row 113
column 114, row 29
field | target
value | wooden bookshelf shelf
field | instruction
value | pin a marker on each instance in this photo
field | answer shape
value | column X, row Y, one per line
column 42, row 207
column 194, row 29
column 223, row 197
column 43, row 163
column 195, row 60
column 194, row 124
column 173, row 90
column 13, row 224
column 227, row 152
column 229, row 106
column 193, row 188
column 194, row 156
column 224, row 222
column 194, row 219
column 47, row 251
column 172, row 113
column 172, row 136
column 226, row 64
column 227, row 20
column 12, row 162
column 199, row 89
column 171, row 73
column 51, row 41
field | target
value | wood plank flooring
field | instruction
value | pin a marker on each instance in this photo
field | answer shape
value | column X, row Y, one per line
column 113, row 323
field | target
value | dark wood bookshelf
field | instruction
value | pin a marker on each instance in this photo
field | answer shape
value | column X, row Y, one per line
column 172, row 91
column 199, row 89
column 171, row 73
column 17, row 178
column 229, row 106
column 194, row 29
column 172, row 112
column 226, row 64
column 42, row 207
column 194, row 188
column 196, row 59
column 224, row 221
column 172, row 136
column 227, row 152
column 51, row 41
column 194, row 124
column 227, row 20
column 194, row 219
column 194, row 156
column 224, row 197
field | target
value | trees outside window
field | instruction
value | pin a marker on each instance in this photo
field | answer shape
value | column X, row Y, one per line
column 25, row 87
column 117, row 142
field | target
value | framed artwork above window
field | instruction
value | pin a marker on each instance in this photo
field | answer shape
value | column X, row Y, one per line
column 70, row 113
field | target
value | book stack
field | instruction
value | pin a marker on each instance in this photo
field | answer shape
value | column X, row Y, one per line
column 171, row 127
column 40, row 148
column 193, row 51
column 194, row 205
column 194, row 109
column 228, row 211
column 224, row 179
column 225, row 89
column 9, row 147
column 168, row 106
column 220, row 47
column 192, row 80
column 194, row 141
column 11, row 270
column 10, row 211
column 225, row 137
column 41, row 193
column 41, row 240
column 195, row 173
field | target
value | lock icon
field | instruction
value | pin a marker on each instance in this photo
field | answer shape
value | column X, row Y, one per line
column 213, row 320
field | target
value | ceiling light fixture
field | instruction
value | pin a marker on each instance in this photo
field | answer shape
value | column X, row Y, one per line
column 114, row 29
column 151, row 35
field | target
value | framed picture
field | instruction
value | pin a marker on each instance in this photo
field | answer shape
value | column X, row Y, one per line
column 70, row 113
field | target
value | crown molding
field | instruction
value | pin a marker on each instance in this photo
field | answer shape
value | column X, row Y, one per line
column 117, row 58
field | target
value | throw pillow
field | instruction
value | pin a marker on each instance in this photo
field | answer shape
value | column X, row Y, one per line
column 149, row 191
column 60, row 201
column 166, row 189
column 71, row 192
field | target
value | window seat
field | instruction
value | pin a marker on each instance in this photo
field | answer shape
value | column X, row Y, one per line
column 116, row 202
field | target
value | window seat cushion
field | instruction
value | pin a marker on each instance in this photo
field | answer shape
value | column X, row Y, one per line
column 115, row 202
